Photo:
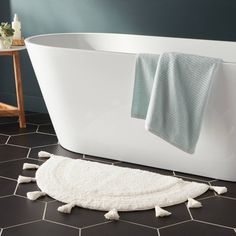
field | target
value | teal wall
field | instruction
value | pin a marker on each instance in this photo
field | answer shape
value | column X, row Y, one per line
column 206, row 19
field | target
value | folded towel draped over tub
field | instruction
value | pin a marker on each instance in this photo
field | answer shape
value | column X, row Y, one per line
column 170, row 93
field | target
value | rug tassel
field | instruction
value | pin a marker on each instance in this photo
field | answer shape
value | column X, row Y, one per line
column 23, row 179
column 192, row 203
column 219, row 190
column 161, row 212
column 35, row 195
column 44, row 154
column 112, row 215
column 29, row 166
column 66, row 208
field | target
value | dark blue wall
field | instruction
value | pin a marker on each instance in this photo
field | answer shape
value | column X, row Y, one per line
column 205, row 19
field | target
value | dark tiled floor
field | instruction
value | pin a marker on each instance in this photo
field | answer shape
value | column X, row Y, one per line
column 19, row 216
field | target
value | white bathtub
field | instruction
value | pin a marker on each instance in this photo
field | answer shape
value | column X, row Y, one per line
column 87, row 82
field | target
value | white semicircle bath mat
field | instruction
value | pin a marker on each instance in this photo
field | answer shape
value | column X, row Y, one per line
column 104, row 187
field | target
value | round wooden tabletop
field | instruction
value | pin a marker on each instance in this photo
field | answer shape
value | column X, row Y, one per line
column 13, row 48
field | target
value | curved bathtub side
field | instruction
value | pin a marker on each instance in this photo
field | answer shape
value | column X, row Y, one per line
column 89, row 93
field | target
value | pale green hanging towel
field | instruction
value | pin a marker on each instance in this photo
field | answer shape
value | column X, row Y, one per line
column 171, row 93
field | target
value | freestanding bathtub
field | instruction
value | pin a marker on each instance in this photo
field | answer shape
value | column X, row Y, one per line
column 87, row 82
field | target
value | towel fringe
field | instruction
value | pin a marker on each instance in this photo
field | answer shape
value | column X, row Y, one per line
column 30, row 166
column 219, row 189
column 35, row 195
column 24, row 179
column 66, row 208
column 112, row 215
column 192, row 203
column 159, row 212
column 44, row 154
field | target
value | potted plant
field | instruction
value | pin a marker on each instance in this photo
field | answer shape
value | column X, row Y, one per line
column 6, row 35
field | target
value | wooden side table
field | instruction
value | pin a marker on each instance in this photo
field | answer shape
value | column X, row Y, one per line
column 6, row 109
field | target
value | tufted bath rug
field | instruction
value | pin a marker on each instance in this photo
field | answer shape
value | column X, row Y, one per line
column 105, row 187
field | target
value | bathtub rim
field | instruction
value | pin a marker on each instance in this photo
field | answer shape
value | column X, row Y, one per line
column 29, row 39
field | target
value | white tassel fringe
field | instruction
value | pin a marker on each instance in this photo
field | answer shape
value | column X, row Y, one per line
column 112, row 215
column 44, row 154
column 29, row 166
column 66, row 208
column 23, row 179
column 192, row 203
column 219, row 190
column 35, row 195
column 161, row 212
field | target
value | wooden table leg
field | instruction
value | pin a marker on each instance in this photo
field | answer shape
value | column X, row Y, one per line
column 19, row 91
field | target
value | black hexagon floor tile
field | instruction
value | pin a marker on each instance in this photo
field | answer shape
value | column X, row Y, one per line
column 99, row 159
column 117, row 229
column 3, row 138
column 40, row 118
column 14, row 128
column 7, row 187
column 79, row 217
column 193, row 228
column 8, row 119
column 147, row 168
column 17, row 210
column 179, row 213
column 41, row 228
column 231, row 187
column 46, row 129
column 23, row 189
column 8, row 152
column 217, row 210
column 13, row 169
column 56, row 149
column 197, row 177
column 33, row 140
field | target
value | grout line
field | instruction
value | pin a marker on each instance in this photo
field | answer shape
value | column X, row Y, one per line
column 134, row 223
column 190, row 178
column 16, row 135
column 46, row 145
column 8, row 139
column 36, row 159
column 16, row 188
column 206, row 197
column 10, row 195
column 90, row 226
column 45, row 209
column 231, row 198
column 13, row 160
column 79, row 232
column 179, row 223
column 25, row 197
column 15, row 145
column 189, row 212
column 234, row 231
column 37, row 128
column 51, row 221
column 1, row 232
column 28, row 152
column 6, row 135
column 30, row 123
column 29, row 222
column 47, row 134
column 158, row 232
column 209, row 223
column 7, row 178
